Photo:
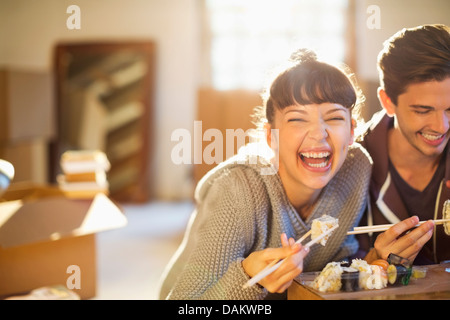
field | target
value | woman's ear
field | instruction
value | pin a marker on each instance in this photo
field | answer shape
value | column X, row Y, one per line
column 386, row 102
column 352, row 131
column 271, row 136
column 268, row 133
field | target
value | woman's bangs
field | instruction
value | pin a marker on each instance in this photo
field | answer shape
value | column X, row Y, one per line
column 324, row 88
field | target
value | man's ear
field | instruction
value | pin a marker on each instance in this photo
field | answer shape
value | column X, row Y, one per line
column 386, row 102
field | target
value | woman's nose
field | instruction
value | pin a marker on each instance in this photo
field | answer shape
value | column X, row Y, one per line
column 318, row 131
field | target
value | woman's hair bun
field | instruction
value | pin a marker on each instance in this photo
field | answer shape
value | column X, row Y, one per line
column 303, row 55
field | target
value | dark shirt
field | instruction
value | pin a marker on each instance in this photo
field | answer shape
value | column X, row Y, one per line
column 420, row 203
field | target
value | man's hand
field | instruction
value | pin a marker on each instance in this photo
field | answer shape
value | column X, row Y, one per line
column 403, row 239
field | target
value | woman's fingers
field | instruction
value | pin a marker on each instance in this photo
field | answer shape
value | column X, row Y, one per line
column 285, row 241
column 280, row 279
column 270, row 254
column 291, row 267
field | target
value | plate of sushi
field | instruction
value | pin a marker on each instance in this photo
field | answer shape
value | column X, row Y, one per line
column 358, row 275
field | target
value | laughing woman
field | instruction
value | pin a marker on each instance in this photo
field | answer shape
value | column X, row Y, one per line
column 250, row 208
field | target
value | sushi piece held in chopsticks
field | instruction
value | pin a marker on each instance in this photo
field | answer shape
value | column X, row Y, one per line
column 446, row 216
column 321, row 225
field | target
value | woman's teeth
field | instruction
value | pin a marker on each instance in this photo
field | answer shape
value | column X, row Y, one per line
column 315, row 159
column 318, row 165
column 315, row 155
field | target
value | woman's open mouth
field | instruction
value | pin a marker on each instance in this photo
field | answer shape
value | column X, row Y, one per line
column 316, row 161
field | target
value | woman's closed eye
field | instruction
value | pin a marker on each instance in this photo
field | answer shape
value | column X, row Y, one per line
column 336, row 118
column 297, row 120
column 336, row 114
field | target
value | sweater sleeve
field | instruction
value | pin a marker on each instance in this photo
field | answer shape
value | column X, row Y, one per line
column 219, row 241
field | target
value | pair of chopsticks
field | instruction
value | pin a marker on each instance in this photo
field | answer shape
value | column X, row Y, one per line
column 271, row 268
column 384, row 227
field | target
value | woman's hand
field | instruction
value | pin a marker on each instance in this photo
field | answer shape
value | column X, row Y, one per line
column 394, row 240
column 279, row 280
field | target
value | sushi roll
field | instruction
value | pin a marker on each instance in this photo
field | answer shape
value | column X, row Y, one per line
column 321, row 225
column 350, row 279
column 378, row 279
column 397, row 260
column 382, row 263
column 364, row 271
column 361, row 265
column 446, row 215
column 345, row 263
column 399, row 270
column 398, row 274
column 329, row 279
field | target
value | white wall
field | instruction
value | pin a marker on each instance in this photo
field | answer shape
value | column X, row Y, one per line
column 29, row 29
column 394, row 15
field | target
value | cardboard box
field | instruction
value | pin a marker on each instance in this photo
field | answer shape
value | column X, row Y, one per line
column 29, row 158
column 47, row 239
column 26, row 105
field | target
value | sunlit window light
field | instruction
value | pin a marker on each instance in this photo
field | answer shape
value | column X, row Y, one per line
column 251, row 37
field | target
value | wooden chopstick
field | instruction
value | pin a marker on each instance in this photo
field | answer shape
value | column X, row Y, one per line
column 384, row 227
column 271, row 268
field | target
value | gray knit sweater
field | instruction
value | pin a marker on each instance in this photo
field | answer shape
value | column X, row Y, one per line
column 239, row 210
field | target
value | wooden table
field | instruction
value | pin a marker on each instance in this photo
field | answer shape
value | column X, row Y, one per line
column 436, row 285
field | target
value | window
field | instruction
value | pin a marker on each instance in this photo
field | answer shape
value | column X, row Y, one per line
column 248, row 38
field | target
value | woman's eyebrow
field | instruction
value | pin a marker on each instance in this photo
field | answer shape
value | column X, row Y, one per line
column 296, row 110
column 337, row 109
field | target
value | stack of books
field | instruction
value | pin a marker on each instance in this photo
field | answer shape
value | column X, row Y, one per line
column 84, row 173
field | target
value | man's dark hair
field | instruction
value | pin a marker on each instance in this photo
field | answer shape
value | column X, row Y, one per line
column 414, row 55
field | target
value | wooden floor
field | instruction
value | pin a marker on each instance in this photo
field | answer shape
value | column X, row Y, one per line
column 132, row 259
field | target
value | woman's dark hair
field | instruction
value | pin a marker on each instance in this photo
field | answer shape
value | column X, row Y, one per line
column 414, row 55
column 308, row 81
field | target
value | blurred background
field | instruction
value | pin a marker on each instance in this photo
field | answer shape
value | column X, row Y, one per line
column 189, row 55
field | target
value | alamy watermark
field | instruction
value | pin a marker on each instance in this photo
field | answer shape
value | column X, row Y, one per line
column 374, row 19
column 73, row 22
column 192, row 149
column 74, row 280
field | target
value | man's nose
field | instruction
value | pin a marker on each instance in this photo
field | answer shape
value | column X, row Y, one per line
column 441, row 122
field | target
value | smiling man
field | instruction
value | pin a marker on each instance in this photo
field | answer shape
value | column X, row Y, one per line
column 408, row 139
